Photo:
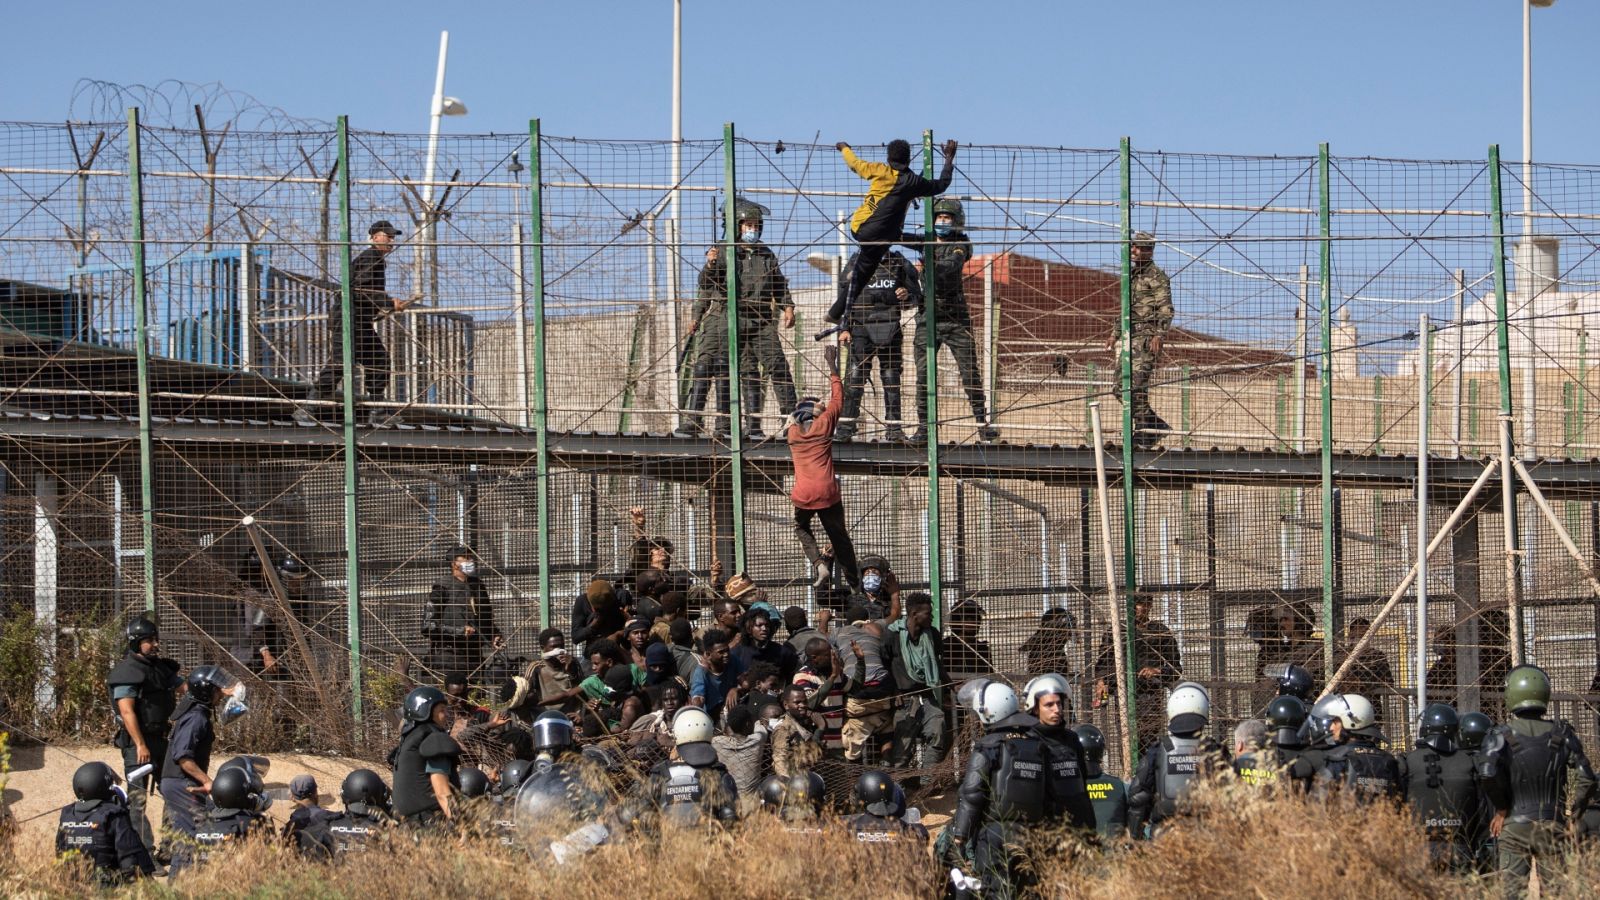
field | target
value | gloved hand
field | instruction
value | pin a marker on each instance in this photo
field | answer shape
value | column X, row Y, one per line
column 955, row 855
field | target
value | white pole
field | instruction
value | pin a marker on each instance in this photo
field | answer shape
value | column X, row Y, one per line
column 1112, row 610
column 677, row 103
column 990, row 340
column 1301, row 344
column 1424, row 385
column 674, row 221
column 425, row 238
column 46, row 544
column 1460, row 360
column 519, row 296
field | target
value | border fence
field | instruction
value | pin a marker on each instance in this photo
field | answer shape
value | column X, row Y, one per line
column 1368, row 356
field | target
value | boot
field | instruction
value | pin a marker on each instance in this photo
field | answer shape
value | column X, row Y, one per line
column 987, row 432
column 894, row 434
column 845, row 433
column 920, row 436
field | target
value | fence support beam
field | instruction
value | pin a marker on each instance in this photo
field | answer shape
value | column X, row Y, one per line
column 141, row 350
column 1424, row 389
column 1508, row 486
column 1121, row 657
column 541, row 402
column 1325, row 384
column 352, row 471
column 1130, row 537
column 730, row 233
column 930, row 307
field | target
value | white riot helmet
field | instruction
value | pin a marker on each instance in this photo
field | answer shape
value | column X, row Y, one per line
column 1040, row 685
column 1188, row 699
column 692, row 726
column 1354, row 711
column 990, row 700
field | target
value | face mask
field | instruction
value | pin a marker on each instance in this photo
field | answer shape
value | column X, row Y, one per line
column 772, row 724
column 871, row 583
column 469, row 569
column 750, row 235
column 943, row 228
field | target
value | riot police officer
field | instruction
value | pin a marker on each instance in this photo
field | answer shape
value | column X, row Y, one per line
column 1527, row 766
column 144, row 693
column 764, row 306
column 1107, row 792
column 425, row 760
column 953, row 321
column 474, row 783
column 1442, row 788
column 797, row 800
column 183, row 773
column 366, row 812
column 872, row 330
column 691, row 787
column 1182, row 756
column 1356, row 762
column 1475, row 726
column 98, row 827
column 1047, row 697
column 562, row 790
column 883, row 807
column 238, row 802
column 1286, row 718
column 1003, row 791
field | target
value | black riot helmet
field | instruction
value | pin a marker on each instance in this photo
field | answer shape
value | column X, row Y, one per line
column 1287, row 711
column 552, row 733
column 235, row 788
column 473, row 782
column 1295, row 681
column 878, row 793
column 773, row 790
column 139, row 630
column 418, row 705
column 1474, row 727
column 205, row 682
column 366, row 787
column 513, row 774
column 1093, row 741
column 1440, row 728
column 807, row 790
column 94, row 781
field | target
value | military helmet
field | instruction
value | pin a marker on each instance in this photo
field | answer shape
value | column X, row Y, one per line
column 1144, row 239
column 139, row 630
column 1527, row 687
column 874, row 561
column 748, row 210
column 94, row 781
column 1440, row 728
column 1474, row 727
column 364, row 786
column 1295, row 680
column 1287, row 711
column 418, row 705
column 473, row 782
column 952, row 207
column 1093, row 741
column 235, row 788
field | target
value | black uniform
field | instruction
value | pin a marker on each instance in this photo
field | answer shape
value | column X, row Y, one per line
column 101, row 831
column 368, row 298
column 689, row 794
column 1002, row 794
column 1067, row 796
column 1359, row 765
column 192, row 736
column 1165, row 774
column 152, row 683
column 871, row 829
column 1442, row 789
column 952, row 321
column 874, row 326
column 307, row 831
column 352, row 830
column 453, row 606
column 217, row 828
column 424, row 750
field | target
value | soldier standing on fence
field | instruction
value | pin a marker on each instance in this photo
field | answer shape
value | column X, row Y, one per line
column 953, row 322
column 369, row 298
column 1151, row 318
column 763, row 299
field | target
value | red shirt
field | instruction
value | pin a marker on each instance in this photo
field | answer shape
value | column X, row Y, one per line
column 812, row 449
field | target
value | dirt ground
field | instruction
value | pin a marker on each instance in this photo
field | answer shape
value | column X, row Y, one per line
column 40, row 783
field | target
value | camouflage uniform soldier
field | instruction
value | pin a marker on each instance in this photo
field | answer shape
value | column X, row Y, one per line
column 764, row 303
column 1151, row 317
column 953, row 324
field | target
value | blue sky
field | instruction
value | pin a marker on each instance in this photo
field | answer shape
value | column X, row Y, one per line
column 1417, row 78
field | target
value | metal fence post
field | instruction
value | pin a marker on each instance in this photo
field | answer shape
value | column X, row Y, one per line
column 730, row 226
column 1424, row 422
column 1508, row 487
column 1325, row 382
column 141, row 349
column 930, row 308
column 1130, row 552
column 541, row 402
column 352, row 473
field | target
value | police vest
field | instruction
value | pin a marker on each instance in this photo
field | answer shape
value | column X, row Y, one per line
column 1538, row 772
column 1018, row 778
column 1366, row 770
column 413, row 789
column 1178, row 763
column 1443, row 791
column 85, row 827
column 1109, row 796
column 682, row 794
column 878, row 301
column 871, row 829
column 218, row 828
column 157, row 697
column 1255, row 770
column 351, row 832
